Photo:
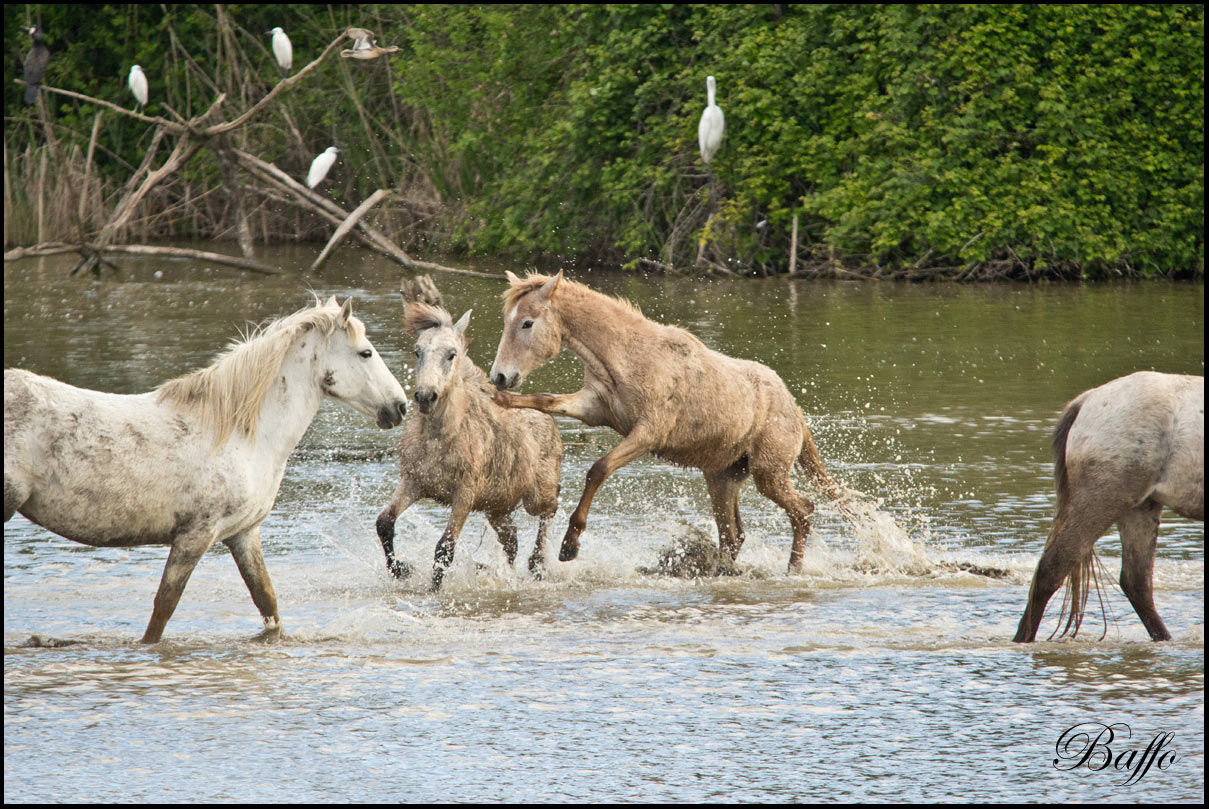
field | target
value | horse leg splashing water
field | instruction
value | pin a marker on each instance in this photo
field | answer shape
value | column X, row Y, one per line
column 197, row 461
column 667, row 394
column 466, row 453
column 1122, row 452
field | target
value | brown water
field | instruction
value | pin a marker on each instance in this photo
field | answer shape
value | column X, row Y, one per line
column 860, row 680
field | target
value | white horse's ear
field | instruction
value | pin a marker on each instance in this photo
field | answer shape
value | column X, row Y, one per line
column 511, row 276
column 346, row 311
column 463, row 322
column 331, row 301
column 548, row 288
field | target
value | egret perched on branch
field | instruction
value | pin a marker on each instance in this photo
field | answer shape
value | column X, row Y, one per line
column 713, row 124
column 320, row 166
column 138, row 85
column 35, row 65
column 283, row 51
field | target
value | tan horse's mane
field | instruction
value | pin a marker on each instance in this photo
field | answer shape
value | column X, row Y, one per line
column 227, row 395
column 534, row 281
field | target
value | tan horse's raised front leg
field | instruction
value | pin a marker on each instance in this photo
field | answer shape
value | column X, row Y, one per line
column 186, row 552
column 583, row 405
column 632, row 446
column 249, row 558
column 1139, row 538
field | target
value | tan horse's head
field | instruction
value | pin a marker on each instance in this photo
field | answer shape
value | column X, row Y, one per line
column 440, row 348
column 532, row 331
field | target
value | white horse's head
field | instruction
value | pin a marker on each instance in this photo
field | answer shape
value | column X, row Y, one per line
column 440, row 348
column 352, row 371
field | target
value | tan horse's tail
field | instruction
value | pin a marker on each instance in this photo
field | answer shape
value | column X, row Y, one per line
column 812, row 464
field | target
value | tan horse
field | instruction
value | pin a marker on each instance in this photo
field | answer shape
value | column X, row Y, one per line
column 1122, row 451
column 466, row 453
column 666, row 393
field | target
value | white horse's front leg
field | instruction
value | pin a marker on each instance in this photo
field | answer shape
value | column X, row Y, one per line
column 249, row 558
column 186, row 552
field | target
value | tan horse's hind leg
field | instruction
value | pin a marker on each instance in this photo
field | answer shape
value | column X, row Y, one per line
column 186, row 552
column 723, row 486
column 1139, row 538
column 249, row 558
column 1078, row 524
column 776, row 485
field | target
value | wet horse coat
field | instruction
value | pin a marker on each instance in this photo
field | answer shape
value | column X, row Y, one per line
column 463, row 451
column 1122, row 452
column 666, row 393
column 198, row 460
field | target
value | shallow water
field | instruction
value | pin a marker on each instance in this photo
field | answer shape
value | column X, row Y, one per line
column 866, row 678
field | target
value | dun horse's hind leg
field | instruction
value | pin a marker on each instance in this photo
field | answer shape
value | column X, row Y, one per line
column 776, row 485
column 1077, row 525
column 1139, row 537
column 185, row 554
column 249, row 558
column 724, row 486
column 537, row 559
column 399, row 501
column 505, row 529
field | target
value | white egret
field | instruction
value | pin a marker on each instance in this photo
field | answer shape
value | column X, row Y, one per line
column 320, row 166
column 35, row 65
column 713, row 124
column 283, row 51
column 138, row 85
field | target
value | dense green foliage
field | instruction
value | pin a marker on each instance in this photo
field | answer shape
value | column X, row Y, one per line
column 1028, row 139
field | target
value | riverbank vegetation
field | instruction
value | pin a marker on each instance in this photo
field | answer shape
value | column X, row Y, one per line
column 905, row 141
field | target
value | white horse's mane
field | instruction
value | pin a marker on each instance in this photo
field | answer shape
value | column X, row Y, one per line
column 228, row 394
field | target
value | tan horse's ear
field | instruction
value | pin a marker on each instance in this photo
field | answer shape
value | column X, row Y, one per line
column 512, row 278
column 346, row 311
column 548, row 288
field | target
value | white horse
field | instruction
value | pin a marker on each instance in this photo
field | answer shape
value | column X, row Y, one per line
column 195, row 461
column 1122, row 452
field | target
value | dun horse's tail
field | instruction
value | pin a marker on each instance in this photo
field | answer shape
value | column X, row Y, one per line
column 812, row 464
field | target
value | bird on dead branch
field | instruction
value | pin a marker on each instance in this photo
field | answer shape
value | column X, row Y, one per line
column 713, row 124
column 283, row 51
column 138, row 85
column 35, row 65
column 320, row 166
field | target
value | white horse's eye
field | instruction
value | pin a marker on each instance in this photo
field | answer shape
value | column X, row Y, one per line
column 449, row 357
column 367, row 353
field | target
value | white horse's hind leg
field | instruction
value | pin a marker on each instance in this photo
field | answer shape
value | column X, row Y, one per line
column 186, row 552
column 1139, row 538
column 249, row 558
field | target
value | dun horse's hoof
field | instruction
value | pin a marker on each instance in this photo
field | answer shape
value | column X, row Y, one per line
column 398, row 568
column 537, row 569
